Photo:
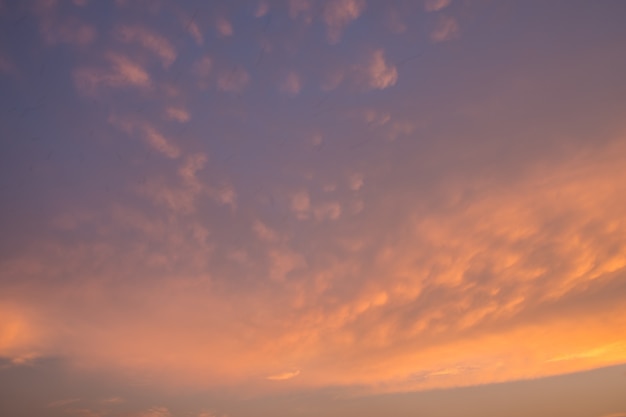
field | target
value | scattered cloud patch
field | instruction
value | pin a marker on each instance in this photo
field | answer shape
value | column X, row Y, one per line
column 262, row 9
column 149, row 40
column 291, row 84
column 122, row 72
column 233, row 81
column 301, row 204
column 178, row 114
column 445, row 29
column 63, row 403
column 327, row 211
column 436, row 5
column 338, row 14
column 378, row 74
column 223, row 27
column 356, row 181
column 150, row 134
column 283, row 376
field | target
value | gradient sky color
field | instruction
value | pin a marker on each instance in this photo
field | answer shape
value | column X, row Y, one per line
column 303, row 208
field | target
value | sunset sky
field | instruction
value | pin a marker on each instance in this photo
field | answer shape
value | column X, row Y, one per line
column 341, row 208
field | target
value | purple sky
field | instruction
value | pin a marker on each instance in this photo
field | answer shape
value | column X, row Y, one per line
column 304, row 208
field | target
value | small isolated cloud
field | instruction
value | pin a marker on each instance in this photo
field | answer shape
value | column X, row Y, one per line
column 378, row 74
column 151, row 136
column 317, row 140
column 327, row 211
column 159, row 142
column 6, row 65
column 262, row 8
column 122, row 72
column 445, row 372
column 84, row 412
column 202, row 69
column 338, row 14
column 283, row 376
column 223, row 27
column 191, row 27
column 226, row 195
column 291, row 84
column 264, row 232
column 178, row 114
column 398, row 129
column 375, row 118
column 356, row 182
column 149, row 40
column 282, row 262
column 436, row 5
column 301, row 204
column 154, row 412
column 63, row 403
column 233, row 81
column 113, row 400
column 445, row 29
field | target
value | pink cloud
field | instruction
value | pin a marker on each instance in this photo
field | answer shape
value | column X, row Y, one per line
column 149, row 40
column 151, row 135
column 262, row 9
column 327, row 211
column 301, row 204
column 122, row 72
column 233, row 81
column 6, row 64
column 291, row 84
column 377, row 73
column 178, row 114
column 202, row 70
column 446, row 29
column 436, row 5
column 192, row 28
column 338, row 14
column 224, row 27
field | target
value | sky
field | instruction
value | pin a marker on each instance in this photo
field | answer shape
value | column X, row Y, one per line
column 256, row 208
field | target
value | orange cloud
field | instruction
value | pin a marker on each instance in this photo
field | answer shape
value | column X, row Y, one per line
column 283, row 376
